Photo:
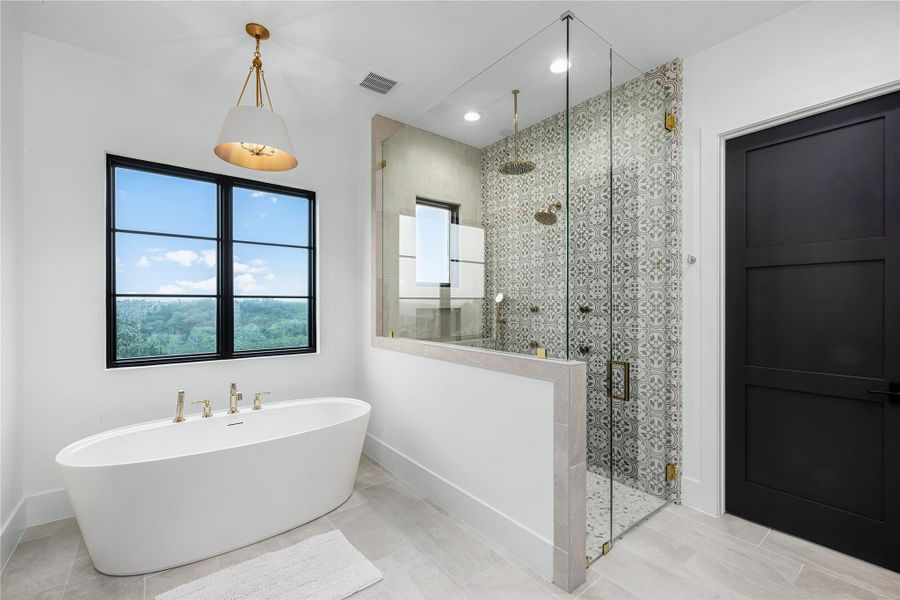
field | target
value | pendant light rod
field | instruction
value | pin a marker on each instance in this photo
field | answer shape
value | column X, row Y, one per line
column 257, row 32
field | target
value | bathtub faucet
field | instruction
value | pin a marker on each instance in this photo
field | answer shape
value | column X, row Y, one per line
column 179, row 408
column 235, row 397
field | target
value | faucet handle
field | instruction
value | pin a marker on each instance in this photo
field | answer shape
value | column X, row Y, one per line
column 207, row 409
column 257, row 400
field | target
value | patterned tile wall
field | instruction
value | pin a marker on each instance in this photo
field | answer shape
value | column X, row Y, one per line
column 629, row 287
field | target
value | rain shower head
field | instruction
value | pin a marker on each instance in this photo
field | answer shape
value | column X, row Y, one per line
column 516, row 166
column 548, row 216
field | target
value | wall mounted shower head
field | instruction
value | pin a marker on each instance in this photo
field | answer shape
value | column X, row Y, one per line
column 499, row 298
column 548, row 216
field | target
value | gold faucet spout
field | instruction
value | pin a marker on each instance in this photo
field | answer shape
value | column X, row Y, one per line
column 234, row 398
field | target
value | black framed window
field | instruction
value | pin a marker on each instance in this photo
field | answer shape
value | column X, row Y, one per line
column 204, row 266
column 434, row 231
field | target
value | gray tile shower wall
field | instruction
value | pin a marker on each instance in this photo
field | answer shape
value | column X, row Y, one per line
column 625, row 293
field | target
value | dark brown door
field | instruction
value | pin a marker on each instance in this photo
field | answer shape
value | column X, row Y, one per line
column 812, row 345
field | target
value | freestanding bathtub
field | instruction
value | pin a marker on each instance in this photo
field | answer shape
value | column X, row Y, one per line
column 161, row 494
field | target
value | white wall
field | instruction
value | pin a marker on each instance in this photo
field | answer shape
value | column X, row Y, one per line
column 78, row 106
column 12, row 409
column 478, row 442
column 816, row 53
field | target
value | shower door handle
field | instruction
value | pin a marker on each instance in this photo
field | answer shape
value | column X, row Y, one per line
column 626, row 378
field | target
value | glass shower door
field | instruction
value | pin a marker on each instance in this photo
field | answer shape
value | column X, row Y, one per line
column 644, row 268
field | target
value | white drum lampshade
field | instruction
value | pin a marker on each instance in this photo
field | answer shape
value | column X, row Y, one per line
column 255, row 138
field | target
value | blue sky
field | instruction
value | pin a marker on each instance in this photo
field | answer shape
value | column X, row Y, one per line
column 432, row 244
column 152, row 264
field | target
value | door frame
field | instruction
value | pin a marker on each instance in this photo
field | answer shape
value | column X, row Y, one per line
column 697, row 333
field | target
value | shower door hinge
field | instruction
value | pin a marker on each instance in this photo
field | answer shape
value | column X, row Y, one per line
column 606, row 548
column 671, row 122
column 671, row 472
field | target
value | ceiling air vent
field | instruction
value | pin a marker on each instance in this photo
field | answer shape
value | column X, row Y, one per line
column 377, row 83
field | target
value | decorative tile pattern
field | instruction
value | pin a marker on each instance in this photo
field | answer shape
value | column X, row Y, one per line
column 629, row 282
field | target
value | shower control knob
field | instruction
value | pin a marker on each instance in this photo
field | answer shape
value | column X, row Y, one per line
column 584, row 309
column 584, row 349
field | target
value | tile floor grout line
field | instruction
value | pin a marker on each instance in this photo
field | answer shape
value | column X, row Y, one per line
column 716, row 529
column 860, row 584
column 765, row 537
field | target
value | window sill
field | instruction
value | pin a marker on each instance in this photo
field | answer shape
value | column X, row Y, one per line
column 214, row 361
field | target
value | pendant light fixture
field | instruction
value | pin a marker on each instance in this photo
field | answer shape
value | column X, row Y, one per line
column 516, row 166
column 255, row 137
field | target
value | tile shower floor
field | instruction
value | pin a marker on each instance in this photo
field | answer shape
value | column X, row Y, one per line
column 425, row 553
column 629, row 506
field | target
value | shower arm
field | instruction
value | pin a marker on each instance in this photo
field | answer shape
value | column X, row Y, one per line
column 516, row 122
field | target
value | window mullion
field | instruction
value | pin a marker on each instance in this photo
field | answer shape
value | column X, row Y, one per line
column 226, row 300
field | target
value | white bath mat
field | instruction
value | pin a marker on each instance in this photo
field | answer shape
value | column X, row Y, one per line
column 324, row 567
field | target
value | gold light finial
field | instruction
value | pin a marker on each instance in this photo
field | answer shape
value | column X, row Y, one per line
column 253, row 136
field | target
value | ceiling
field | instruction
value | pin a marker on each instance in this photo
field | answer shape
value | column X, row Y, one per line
column 320, row 51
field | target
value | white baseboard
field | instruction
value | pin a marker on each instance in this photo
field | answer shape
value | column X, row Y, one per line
column 521, row 542
column 12, row 531
column 697, row 496
column 48, row 506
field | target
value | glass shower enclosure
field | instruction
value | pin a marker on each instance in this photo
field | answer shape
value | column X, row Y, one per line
column 535, row 210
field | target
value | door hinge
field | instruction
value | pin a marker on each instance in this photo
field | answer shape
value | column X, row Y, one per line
column 671, row 472
column 671, row 122
column 606, row 548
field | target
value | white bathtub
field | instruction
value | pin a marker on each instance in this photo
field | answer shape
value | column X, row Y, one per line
column 161, row 494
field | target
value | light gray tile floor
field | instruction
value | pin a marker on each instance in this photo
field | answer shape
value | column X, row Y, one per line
column 424, row 552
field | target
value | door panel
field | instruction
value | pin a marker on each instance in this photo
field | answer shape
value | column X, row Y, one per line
column 813, row 328
column 807, row 462
column 841, row 168
column 799, row 318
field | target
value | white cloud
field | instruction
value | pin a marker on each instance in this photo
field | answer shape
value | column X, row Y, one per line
column 270, row 276
column 205, row 285
column 259, row 194
column 256, row 266
column 185, row 258
column 208, row 257
column 170, row 289
column 246, row 284
column 143, row 262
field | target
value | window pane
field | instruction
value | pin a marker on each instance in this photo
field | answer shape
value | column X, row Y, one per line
column 147, row 327
column 274, row 218
column 432, row 244
column 270, row 271
column 154, row 264
column 164, row 204
column 263, row 323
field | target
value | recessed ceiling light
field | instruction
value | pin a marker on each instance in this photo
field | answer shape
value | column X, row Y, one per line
column 472, row 116
column 560, row 65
